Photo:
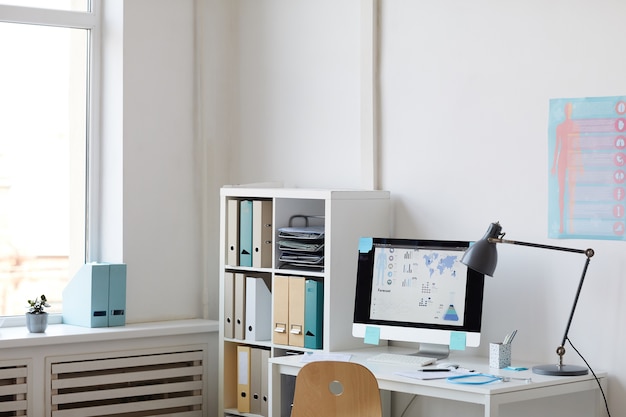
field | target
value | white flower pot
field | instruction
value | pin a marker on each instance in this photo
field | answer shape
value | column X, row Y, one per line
column 36, row 323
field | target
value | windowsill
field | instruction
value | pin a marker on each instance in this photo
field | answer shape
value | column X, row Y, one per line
column 56, row 334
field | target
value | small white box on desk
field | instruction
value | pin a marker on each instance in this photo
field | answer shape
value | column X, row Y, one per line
column 499, row 355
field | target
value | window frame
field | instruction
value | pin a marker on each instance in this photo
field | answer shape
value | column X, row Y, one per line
column 91, row 21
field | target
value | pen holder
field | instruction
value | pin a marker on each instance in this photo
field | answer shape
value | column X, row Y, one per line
column 499, row 355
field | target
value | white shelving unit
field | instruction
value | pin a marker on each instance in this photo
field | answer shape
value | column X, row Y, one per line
column 347, row 215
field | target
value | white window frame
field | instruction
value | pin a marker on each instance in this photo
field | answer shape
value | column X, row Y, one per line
column 91, row 21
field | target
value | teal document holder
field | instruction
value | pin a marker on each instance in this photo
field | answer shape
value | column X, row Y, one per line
column 313, row 314
column 117, row 295
column 96, row 296
column 245, row 233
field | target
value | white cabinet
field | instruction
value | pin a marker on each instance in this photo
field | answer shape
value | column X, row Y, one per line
column 157, row 368
column 345, row 216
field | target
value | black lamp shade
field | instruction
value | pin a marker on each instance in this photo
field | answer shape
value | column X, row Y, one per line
column 482, row 256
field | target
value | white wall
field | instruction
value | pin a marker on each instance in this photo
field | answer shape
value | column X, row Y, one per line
column 464, row 107
column 465, row 92
column 216, row 46
column 297, row 92
column 151, row 196
column 464, row 100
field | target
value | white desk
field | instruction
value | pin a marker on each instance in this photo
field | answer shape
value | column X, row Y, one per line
column 491, row 395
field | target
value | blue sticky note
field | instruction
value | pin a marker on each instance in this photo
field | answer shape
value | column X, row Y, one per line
column 365, row 244
column 458, row 341
column 372, row 335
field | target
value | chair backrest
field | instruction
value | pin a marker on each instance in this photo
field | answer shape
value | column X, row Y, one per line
column 336, row 389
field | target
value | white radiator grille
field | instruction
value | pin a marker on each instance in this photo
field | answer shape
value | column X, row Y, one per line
column 15, row 382
column 130, row 384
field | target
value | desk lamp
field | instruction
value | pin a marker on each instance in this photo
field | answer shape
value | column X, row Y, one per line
column 483, row 257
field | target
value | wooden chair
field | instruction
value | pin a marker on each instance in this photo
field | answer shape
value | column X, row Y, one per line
column 336, row 389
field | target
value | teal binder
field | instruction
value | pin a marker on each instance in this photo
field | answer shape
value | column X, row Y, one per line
column 313, row 314
column 245, row 233
column 96, row 296
column 117, row 295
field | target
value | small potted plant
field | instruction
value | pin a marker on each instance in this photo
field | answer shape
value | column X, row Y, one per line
column 37, row 318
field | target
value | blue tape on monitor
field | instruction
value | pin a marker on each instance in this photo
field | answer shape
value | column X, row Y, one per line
column 372, row 335
column 365, row 244
column 458, row 340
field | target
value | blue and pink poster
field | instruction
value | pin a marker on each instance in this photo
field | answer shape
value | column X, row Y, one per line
column 587, row 173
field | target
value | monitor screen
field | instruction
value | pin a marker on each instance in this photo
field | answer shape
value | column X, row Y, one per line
column 417, row 291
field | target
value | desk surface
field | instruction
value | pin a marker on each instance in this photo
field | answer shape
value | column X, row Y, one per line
column 491, row 395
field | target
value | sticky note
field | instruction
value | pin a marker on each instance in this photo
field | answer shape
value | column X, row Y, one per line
column 365, row 244
column 458, row 341
column 516, row 368
column 372, row 335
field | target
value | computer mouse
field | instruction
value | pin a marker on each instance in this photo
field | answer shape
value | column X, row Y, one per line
column 447, row 365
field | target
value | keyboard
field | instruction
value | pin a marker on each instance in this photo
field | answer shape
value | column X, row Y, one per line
column 397, row 359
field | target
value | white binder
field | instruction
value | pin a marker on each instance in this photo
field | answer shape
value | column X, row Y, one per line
column 262, row 233
column 232, row 233
column 258, row 310
column 229, row 305
column 240, row 306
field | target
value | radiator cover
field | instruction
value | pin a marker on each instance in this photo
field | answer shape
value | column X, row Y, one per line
column 16, row 387
column 150, row 382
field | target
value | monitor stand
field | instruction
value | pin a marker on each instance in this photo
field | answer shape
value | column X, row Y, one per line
column 431, row 350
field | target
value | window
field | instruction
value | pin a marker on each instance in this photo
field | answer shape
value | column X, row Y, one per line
column 46, row 116
column 73, row 5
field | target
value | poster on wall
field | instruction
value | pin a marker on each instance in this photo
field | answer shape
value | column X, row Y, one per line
column 587, row 168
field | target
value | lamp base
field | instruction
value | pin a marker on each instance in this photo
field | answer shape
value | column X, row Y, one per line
column 560, row 370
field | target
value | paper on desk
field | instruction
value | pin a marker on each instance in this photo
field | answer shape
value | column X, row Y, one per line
column 431, row 374
column 316, row 356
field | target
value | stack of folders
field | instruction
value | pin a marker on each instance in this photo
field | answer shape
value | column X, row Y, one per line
column 302, row 247
column 249, row 233
column 247, row 307
column 298, row 311
column 252, row 380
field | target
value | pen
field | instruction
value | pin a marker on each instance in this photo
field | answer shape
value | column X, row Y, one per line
column 509, row 337
column 435, row 370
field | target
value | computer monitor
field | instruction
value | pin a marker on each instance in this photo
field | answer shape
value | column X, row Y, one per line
column 417, row 291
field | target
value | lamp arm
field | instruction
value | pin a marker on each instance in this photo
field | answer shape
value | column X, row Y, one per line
column 540, row 246
column 588, row 253
column 571, row 314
